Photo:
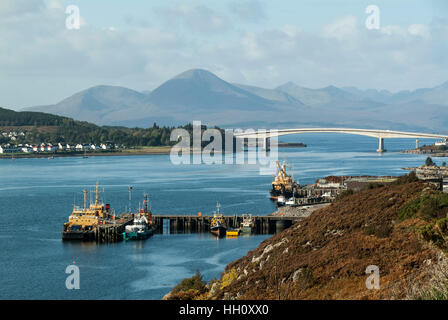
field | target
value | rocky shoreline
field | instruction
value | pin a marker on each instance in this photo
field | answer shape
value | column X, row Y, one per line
column 426, row 152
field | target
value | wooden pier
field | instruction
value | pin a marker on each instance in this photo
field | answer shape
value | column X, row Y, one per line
column 200, row 224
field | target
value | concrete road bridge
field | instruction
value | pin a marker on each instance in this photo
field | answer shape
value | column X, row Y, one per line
column 380, row 134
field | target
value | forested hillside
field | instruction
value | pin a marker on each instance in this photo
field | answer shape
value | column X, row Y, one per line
column 43, row 127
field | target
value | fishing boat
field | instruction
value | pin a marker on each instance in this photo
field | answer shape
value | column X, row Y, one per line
column 83, row 221
column 281, row 201
column 233, row 233
column 143, row 226
column 291, row 202
column 283, row 184
column 218, row 224
column 139, row 230
column 248, row 224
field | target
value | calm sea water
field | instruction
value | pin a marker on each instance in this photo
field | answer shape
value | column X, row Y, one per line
column 36, row 197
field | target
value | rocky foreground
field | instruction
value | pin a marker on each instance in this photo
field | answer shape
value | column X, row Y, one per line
column 401, row 228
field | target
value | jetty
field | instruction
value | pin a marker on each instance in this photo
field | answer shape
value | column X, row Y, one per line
column 201, row 224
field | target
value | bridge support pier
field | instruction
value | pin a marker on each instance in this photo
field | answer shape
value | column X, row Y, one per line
column 381, row 145
column 416, row 143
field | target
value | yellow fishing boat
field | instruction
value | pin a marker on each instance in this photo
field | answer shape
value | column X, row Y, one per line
column 82, row 222
column 233, row 233
column 218, row 224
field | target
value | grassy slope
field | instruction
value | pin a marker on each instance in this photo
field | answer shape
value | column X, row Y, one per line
column 325, row 256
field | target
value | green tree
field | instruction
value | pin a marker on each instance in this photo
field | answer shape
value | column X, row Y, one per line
column 429, row 162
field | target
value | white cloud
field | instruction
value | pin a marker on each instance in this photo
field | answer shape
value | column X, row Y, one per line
column 341, row 28
column 393, row 31
column 419, row 30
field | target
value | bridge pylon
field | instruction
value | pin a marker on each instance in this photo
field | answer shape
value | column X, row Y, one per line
column 381, row 145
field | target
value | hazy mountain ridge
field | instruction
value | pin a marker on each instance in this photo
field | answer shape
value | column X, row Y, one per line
column 200, row 95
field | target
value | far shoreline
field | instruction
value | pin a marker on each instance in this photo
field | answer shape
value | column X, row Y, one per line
column 137, row 151
column 163, row 150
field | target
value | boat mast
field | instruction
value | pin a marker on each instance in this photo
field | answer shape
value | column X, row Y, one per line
column 85, row 199
column 96, row 194
column 217, row 207
column 130, row 199
column 145, row 203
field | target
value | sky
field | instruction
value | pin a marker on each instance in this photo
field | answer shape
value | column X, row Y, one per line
column 139, row 44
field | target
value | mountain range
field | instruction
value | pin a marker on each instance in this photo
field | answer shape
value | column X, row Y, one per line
column 200, row 95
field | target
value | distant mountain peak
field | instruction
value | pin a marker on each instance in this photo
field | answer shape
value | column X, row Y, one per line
column 196, row 74
column 199, row 89
column 288, row 85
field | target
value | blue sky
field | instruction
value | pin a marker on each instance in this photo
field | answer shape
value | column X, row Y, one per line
column 141, row 43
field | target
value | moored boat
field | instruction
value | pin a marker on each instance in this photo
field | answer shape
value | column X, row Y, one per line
column 82, row 222
column 248, row 224
column 139, row 230
column 233, row 233
column 283, row 184
column 143, row 225
column 218, row 224
column 281, row 201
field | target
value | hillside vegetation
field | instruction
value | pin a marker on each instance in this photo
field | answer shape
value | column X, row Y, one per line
column 401, row 228
column 43, row 127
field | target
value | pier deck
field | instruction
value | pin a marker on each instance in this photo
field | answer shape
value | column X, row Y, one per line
column 199, row 224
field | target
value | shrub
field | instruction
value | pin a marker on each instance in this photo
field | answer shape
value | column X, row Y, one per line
column 429, row 162
column 407, row 178
column 429, row 234
column 442, row 224
column 410, row 209
column 228, row 278
column 194, row 283
column 427, row 206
